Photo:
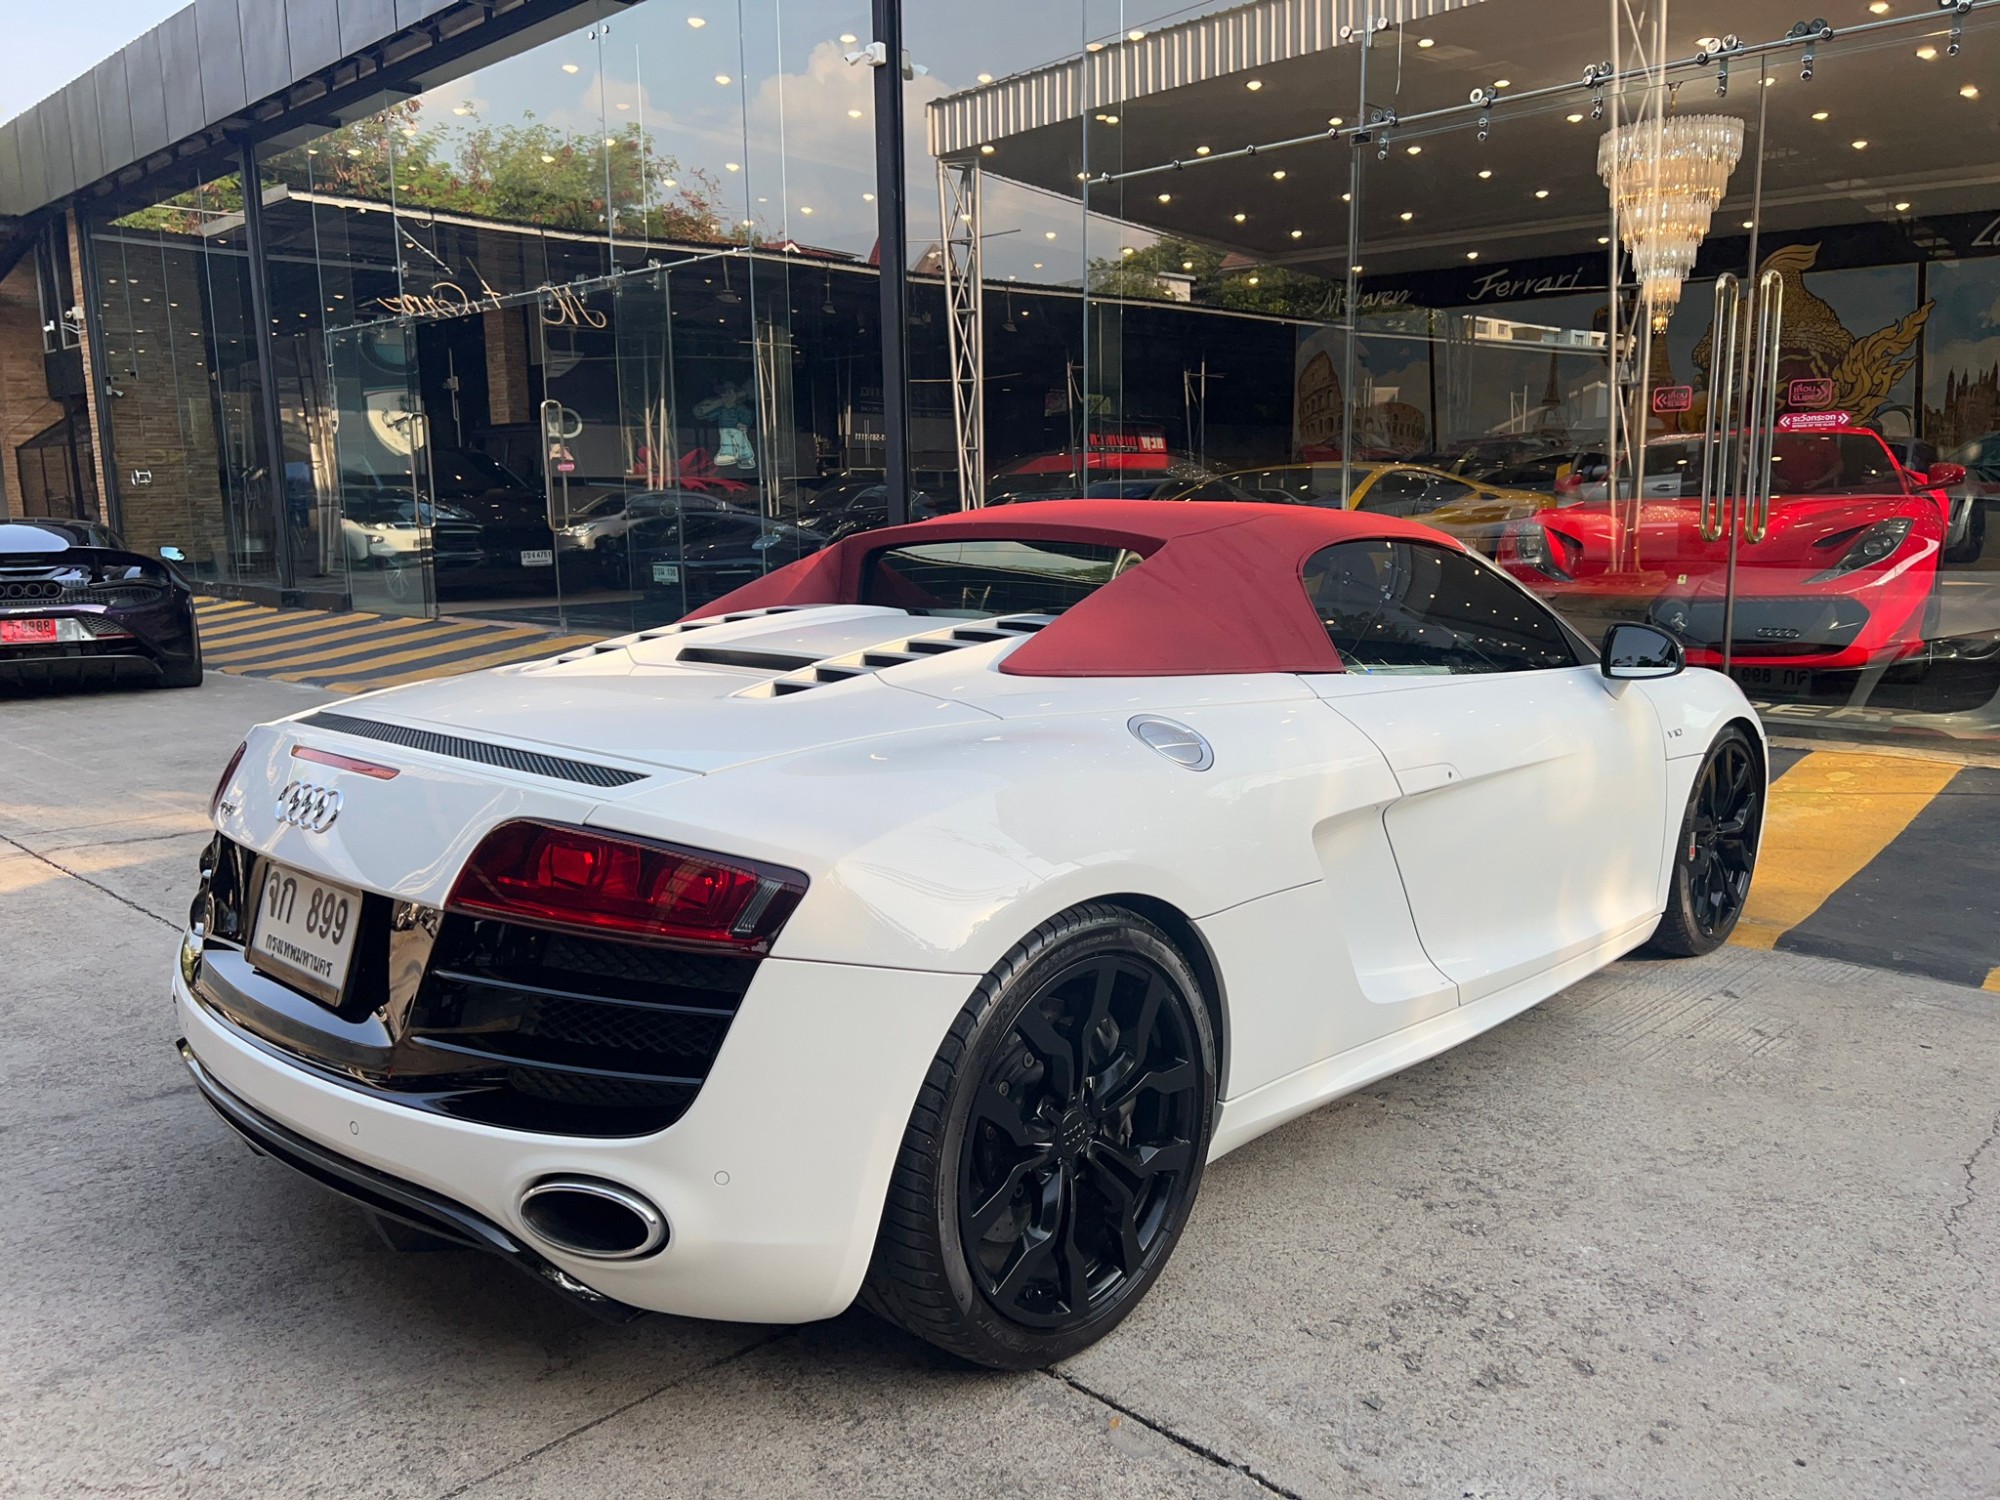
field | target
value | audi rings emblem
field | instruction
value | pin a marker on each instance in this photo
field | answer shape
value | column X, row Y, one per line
column 305, row 805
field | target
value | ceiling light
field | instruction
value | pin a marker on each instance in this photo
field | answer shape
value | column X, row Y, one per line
column 697, row 23
column 1298, row 234
column 1254, row 84
column 1879, row 8
column 1541, row 192
column 1406, row 216
column 1201, row 151
column 1135, row 35
column 1472, row 255
column 462, row 109
column 1048, row 234
column 621, row 106
column 854, row 114
column 1748, row 224
column 1574, row 119
column 1241, row 217
column 723, row 78
column 1037, row 265
column 1128, row 250
column 1859, row 145
column 545, row 155
column 1347, row 197
column 1968, row 91
column 669, row 183
column 1604, row 239
column 803, row 209
column 569, row 67
column 731, row 166
column 1927, row 53
column 987, row 149
column 1187, row 265
column 985, row 77
column 1094, row 47
column 1414, row 150
column 1355, row 269
column 1902, row 208
column 1109, row 119
column 1251, row 279
column 1503, row 83
column 1820, row 114
column 867, row 197
column 1484, row 173
column 1166, row 197
column 1424, row 41
column 1279, row 175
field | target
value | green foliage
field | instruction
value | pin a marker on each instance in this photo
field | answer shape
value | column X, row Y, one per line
column 1243, row 287
column 526, row 172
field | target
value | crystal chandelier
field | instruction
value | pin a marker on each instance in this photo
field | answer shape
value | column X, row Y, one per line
column 1666, row 177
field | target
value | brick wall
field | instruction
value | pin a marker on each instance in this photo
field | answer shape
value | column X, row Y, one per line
column 25, row 407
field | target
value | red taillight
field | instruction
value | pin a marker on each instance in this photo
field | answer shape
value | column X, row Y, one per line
column 631, row 888
column 222, row 785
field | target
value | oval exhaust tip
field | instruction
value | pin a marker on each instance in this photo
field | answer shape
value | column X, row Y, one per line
column 589, row 1217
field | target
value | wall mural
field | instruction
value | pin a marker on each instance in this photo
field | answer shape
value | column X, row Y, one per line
column 1864, row 370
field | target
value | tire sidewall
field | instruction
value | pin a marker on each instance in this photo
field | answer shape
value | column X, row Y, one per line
column 1011, row 1343
column 1683, row 895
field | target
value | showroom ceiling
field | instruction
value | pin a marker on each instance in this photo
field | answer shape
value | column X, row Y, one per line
column 1927, row 127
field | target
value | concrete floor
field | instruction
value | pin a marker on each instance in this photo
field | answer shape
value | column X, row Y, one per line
column 1720, row 1228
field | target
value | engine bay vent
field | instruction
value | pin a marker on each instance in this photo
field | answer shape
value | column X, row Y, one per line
column 872, row 659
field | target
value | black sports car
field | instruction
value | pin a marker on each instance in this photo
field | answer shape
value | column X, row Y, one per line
column 76, row 605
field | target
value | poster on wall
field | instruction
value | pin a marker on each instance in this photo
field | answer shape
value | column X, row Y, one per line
column 1392, row 397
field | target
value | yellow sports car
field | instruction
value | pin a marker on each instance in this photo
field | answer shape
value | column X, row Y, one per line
column 1477, row 514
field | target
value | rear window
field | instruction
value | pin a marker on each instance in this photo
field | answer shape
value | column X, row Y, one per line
column 991, row 576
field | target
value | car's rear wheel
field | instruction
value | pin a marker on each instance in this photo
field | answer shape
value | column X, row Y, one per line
column 1055, row 1149
column 1717, row 852
column 184, row 673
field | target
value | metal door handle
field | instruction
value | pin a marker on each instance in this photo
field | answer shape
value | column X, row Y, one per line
column 1716, row 449
column 1760, row 430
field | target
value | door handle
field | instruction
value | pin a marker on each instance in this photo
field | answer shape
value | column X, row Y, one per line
column 1415, row 779
column 1716, row 449
column 1760, row 430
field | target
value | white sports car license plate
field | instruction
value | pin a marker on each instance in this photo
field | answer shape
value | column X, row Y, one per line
column 666, row 572
column 304, row 931
column 543, row 558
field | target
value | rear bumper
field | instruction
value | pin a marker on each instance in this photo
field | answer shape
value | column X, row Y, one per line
column 33, row 667
column 772, row 1183
column 382, row 1194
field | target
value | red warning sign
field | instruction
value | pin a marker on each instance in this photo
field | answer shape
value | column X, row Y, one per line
column 1670, row 398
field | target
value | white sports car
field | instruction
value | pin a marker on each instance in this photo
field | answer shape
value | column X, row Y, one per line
column 917, row 922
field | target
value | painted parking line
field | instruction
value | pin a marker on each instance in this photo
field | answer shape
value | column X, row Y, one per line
column 1830, row 815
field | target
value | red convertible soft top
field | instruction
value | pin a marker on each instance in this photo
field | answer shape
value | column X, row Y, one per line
column 1220, row 590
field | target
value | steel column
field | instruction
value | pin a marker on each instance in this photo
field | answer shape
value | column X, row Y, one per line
column 959, row 192
column 893, row 259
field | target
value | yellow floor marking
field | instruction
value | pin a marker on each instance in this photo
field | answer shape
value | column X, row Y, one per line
column 462, row 637
column 290, row 625
column 336, row 642
column 1829, row 816
column 526, row 652
column 1992, row 982
column 221, row 610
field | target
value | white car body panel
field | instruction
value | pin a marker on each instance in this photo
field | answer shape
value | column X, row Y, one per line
column 940, row 810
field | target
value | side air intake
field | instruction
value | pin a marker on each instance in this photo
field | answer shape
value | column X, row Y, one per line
column 874, row 659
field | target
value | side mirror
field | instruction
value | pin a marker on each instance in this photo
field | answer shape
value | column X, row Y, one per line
column 173, row 554
column 1635, row 651
column 1945, row 474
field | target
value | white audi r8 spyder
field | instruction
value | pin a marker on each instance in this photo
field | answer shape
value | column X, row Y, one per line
column 915, row 923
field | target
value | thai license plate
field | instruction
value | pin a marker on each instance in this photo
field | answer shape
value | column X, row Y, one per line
column 666, row 572
column 304, row 931
column 542, row 558
column 27, row 632
column 1784, row 679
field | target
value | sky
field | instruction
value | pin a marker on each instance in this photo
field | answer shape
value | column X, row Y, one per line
column 47, row 46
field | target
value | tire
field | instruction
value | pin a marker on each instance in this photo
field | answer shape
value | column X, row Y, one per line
column 183, row 674
column 1097, row 1194
column 1716, row 853
column 1969, row 547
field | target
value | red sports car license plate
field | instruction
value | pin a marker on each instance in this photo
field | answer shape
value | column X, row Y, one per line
column 27, row 632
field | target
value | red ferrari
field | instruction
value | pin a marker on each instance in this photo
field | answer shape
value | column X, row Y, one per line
column 1842, row 579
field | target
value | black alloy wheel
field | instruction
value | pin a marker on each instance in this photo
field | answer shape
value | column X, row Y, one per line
column 1717, row 852
column 1056, row 1148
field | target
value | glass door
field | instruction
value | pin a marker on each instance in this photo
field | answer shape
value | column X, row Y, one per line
column 382, row 480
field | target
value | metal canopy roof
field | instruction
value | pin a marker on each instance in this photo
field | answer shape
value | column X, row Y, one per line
column 220, row 71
